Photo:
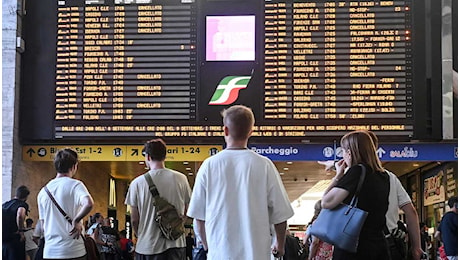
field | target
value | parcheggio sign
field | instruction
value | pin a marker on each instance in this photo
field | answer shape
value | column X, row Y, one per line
column 293, row 152
column 386, row 152
column 297, row 152
column 276, row 151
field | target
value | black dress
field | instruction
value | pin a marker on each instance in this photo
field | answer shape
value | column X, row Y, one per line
column 373, row 198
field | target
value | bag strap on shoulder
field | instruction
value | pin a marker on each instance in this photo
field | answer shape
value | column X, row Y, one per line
column 153, row 189
column 354, row 201
column 69, row 219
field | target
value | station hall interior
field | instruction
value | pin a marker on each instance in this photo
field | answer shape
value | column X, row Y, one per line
column 298, row 177
column 304, row 182
column 120, row 92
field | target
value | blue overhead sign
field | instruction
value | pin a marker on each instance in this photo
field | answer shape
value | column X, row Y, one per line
column 310, row 152
column 418, row 152
column 386, row 152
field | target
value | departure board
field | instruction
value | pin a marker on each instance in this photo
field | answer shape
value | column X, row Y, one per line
column 124, row 61
column 332, row 60
column 139, row 68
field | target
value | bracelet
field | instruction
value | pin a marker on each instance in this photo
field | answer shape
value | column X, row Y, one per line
column 335, row 179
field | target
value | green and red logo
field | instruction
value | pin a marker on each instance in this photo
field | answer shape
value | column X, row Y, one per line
column 227, row 91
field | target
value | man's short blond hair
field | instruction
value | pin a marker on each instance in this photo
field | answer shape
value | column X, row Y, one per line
column 239, row 120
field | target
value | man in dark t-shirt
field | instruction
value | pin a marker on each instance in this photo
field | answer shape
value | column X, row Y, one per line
column 448, row 228
column 14, row 213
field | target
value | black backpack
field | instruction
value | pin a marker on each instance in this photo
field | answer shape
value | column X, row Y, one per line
column 9, row 213
column 293, row 249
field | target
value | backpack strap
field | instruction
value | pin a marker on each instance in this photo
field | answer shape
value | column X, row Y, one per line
column 153, row 189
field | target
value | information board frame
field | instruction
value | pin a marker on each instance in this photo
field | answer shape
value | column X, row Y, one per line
column 38, row 104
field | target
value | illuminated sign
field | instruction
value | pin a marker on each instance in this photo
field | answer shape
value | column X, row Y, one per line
column 124, row 62
column 434, row 189
column 119, row 152
column 337, row 60
column 136, row 69
column 385, row 152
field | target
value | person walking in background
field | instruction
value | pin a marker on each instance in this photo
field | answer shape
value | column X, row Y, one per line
column 95, row 232
column 31, row 246
column 198, row 252
column 39, row 239
column 238, row 195
column 306, row 240
column 447, row 231
column 126, row 246
column 111, row 240
column 14, row 214
column 358, row 148
column 63, row 239
column 424, row 237
column 399, row 199
column 173, row 186
column 293, row 249
column 190, row 242
column 319, row 250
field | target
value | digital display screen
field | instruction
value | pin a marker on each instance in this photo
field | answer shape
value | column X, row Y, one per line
column 230, row 38
column 130, row 69
column 124, row 62
column 337, row 60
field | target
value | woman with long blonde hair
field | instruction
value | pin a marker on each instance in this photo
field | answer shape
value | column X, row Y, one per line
column 358, row 148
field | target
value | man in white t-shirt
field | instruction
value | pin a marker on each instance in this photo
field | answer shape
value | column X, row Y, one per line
column 238, row 195
column 399, row 199
column 173, row 186
column 62, row 239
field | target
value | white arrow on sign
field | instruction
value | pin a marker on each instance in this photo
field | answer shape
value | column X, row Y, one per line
column 380, row 152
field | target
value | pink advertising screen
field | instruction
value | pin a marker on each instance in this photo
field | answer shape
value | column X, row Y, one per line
column 230, row 38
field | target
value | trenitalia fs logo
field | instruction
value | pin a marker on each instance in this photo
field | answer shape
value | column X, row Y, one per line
column 228, row 88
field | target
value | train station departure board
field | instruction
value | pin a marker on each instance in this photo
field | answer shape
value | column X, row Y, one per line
column 138, row 68
column 328, row 60
column 124, row 62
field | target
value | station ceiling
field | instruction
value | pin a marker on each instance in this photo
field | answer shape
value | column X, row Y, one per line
column 298, row 177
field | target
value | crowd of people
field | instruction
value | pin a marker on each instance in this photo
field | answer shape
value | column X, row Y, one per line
column 238, row 204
